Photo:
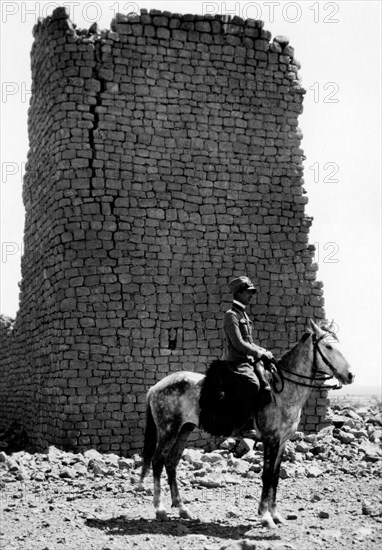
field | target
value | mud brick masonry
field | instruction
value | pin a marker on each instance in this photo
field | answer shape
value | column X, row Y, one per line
column 164, row 160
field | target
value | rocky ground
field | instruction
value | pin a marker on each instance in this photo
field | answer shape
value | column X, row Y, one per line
column 330, row 493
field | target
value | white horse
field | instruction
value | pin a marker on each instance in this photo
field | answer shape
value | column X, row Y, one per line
column 173, row 411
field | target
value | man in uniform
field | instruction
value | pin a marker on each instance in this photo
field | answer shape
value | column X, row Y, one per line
column 243, row 356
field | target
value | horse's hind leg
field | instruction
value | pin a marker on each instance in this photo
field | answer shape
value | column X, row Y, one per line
column 160, row 511
column 171, row 463
column 164, row 446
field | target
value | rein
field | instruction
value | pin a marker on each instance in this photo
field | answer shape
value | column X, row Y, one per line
column 322, row 376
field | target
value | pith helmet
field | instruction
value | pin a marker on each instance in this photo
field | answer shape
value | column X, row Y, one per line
column 241, row 283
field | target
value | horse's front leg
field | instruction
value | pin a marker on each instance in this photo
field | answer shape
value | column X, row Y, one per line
column 273, row 451
column 176, row 499
column 277, row 517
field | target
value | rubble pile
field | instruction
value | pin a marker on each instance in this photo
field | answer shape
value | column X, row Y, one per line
column 58, row 465
column 351, row 444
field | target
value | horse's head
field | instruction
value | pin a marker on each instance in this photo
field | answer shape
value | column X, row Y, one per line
column 328, row 357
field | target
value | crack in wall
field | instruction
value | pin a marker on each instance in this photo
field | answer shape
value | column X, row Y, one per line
column 95, row 133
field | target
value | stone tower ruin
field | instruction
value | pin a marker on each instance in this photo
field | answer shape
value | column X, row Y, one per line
column 164, row 160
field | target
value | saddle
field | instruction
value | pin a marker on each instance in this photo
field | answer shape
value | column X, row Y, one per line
column 227, row 402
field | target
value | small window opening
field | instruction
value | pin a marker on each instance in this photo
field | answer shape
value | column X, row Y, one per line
column 172, row 337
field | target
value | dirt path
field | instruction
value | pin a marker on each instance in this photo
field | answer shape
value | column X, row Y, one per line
column 110, row 514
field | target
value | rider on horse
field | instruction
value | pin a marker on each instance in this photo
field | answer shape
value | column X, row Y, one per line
column 245, row 358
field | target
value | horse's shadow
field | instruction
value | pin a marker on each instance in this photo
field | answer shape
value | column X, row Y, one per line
column 122, row 525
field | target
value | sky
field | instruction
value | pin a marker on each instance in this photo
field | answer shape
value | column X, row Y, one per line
column 338, row 44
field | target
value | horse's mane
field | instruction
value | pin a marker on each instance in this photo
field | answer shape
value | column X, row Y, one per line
column 284, row 359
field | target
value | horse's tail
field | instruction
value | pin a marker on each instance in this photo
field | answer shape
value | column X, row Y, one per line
column 150, row 441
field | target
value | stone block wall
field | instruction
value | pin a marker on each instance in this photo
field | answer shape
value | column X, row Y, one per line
column 164, row 160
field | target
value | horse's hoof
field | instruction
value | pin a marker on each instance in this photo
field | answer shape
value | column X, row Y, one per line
column 278, row 518
column 184, row 513
column 161, row 515
column 267, row 521
column 140, row 487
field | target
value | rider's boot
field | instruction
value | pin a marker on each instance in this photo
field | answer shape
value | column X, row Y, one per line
column 247, row 431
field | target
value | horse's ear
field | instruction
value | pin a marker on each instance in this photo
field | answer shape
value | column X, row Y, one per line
column 315, row 328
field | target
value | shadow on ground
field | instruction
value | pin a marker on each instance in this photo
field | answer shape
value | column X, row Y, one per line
column 122, row 525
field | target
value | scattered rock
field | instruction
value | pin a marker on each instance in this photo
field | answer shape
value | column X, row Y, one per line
column 210, row 481
column 345, row 437
column 298, row 436
column 93, row 454
column 80, row 469
column 38, row 476
column 244, row 544
column 212, row 458
column 375, row 435
column 256, row 468
column 372, row 508
column 284, row 473
column 98, row 467
column 113, row 460
column 375, row 418
column 191, row 455
column 236, row 545
column 232, row 514
column 314, row 471
column 311, row 438
column 371, row 451
column 319, row 449
column 67, row 473
column 241, row 467
column 126, row 463
column 12, row 465
column 243, row 447
column 323, row 515
column 352, row 414
column 302, row 447
column 137, row 460
column 228, row 444
column 251, row 457
column 359, row 434
column 339, row 421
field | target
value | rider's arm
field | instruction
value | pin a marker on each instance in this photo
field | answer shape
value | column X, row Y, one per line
column 232, row 329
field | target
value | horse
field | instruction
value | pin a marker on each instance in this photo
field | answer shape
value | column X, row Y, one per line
column 173, row 411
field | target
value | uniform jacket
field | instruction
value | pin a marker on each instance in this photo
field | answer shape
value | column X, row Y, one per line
column 239, row 344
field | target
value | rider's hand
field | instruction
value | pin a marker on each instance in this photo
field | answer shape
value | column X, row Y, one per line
column 268, row 354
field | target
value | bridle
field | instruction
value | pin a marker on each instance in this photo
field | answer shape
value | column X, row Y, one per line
column 318, row 376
